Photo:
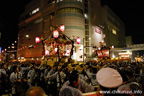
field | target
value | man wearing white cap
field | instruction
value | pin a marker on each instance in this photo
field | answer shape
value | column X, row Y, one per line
column 109, row 78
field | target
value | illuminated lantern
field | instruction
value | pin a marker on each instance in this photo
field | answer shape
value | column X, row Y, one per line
column 62, row 27
column 68, row 51
column 78, row 40
column 93, row 50
column 102, row 41
column 46, row 52
column 55, row 34
column 112, row 46
column 99, row 48
column 37, row 40
column 56, row 49
column 34, row 46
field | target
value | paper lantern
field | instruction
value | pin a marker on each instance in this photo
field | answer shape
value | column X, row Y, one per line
column 78, row 40
column 62, row 27
column 37, row 39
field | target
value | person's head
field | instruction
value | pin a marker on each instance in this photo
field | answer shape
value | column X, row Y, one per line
column 55, row 67
column 15, row 68
column 129, row 73
column 74, row 78
column 35, row 91
column 3, row 65
column 63, row 68
column 48, row 67
column 66, row 92
column 94, row 70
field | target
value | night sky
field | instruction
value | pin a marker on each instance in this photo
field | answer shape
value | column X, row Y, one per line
column 129, row 11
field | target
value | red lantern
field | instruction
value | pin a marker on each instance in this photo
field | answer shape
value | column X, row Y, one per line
column 62, row 27
column 37, row 39
column 55, row 34
column 78, row 40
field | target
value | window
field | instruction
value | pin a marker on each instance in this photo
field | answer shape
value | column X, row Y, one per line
column 114, row 32
column 34, row 11
column 71, row 9
column 27, row 36
column 79, row 0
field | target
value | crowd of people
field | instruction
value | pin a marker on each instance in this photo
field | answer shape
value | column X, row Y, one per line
column 68, row 79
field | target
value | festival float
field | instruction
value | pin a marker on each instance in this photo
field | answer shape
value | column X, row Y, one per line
column 58, row 47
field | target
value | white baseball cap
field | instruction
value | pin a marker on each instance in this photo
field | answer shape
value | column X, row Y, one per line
column 109, row 78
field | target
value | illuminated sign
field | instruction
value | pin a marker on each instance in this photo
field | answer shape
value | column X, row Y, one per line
column 99, row 53
column 105, row 52
column 98, row 30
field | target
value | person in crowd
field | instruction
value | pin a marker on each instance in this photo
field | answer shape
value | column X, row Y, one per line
column 35, row 91
column 16, row 79
column 93, row 77
column 130, row 76
column 71, row 88
column 78, row 83
column 3, row 78
column 109, row 79
column 47, row 70
column 132, row 88
column 51, row 83
column 32, row 76
column 59, row 76
column 41, row 80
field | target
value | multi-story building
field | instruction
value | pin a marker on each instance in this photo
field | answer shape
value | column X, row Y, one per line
column 86, row 19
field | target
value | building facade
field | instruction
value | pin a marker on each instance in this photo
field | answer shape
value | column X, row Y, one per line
column 86, row 19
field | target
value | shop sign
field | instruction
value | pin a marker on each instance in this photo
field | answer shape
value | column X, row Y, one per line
column 98, row 30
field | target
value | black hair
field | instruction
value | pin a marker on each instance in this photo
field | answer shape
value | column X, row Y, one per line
column 73, row 77
column 94, row 70
column 14, row 68
column 2, row 65
column 66, row 92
